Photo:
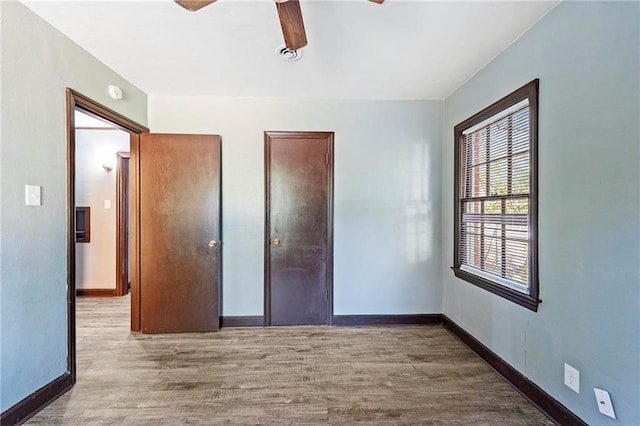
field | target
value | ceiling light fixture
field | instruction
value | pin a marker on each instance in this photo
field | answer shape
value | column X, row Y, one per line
column 115, row 92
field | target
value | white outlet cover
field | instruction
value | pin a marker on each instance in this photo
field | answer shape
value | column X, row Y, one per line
column 604, row 402
column 107, row 204
column 572, row 378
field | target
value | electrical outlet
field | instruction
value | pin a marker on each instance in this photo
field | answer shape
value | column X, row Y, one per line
column 604, row 402
column 572, row 378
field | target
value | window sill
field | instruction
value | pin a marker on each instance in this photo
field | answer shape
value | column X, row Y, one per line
column 521, row 299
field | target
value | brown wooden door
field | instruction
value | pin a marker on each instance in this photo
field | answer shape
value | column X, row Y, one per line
column 122, row 224
column 299, row 249
column 179, row 232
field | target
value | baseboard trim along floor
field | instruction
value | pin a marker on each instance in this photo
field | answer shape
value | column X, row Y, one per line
column 344, row 320
column 96, row 292
column 31, row 405
column 544, row 402
column 410, row 319
column 242, row 321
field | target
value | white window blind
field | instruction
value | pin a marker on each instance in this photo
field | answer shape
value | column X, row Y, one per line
column 495, row 190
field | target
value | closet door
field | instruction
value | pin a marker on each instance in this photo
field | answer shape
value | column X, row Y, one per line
column 298, row 246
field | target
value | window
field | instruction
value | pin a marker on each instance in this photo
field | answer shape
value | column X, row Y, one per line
column 496, row 244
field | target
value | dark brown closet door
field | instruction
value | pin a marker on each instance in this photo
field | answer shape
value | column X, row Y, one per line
column 299, row 249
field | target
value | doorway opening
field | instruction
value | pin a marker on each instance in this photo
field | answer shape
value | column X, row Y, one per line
column 102, row 205
column 80, row 107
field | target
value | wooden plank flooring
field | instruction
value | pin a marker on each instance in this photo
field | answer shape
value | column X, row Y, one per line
column 289, row 375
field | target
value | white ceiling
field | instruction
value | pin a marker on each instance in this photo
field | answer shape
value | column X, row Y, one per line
column 356, row 49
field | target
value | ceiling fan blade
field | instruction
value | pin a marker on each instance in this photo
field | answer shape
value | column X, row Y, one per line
column 377, row 1
column 292, row 24
column 194, row 5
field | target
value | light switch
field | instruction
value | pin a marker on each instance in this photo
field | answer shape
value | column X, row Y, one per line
column 107, row 204
column 32, row 195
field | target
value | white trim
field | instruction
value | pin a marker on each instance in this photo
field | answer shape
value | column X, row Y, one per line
column 519, row 287
column 505, row 112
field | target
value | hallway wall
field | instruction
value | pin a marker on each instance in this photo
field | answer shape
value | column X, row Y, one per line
column 96, row 260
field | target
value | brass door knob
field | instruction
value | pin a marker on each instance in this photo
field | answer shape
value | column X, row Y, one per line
column 276, row 242
column 213, row 244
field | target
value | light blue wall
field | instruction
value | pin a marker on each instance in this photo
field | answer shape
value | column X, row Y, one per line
column 387, row 194
column 37, row 64
column 587, row 56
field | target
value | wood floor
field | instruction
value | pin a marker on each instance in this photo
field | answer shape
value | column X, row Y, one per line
column 290, row 375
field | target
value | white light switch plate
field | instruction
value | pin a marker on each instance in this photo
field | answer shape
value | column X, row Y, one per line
column 107, row 204
column 32, row 195
column 604, row 402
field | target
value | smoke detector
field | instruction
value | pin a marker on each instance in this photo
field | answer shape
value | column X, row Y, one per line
column 287, row 54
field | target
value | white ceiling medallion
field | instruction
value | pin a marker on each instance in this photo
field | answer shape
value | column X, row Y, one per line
column 287, row 54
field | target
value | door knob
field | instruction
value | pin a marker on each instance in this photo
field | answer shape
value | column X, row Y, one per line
column 213, row 243
column 276, row 242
